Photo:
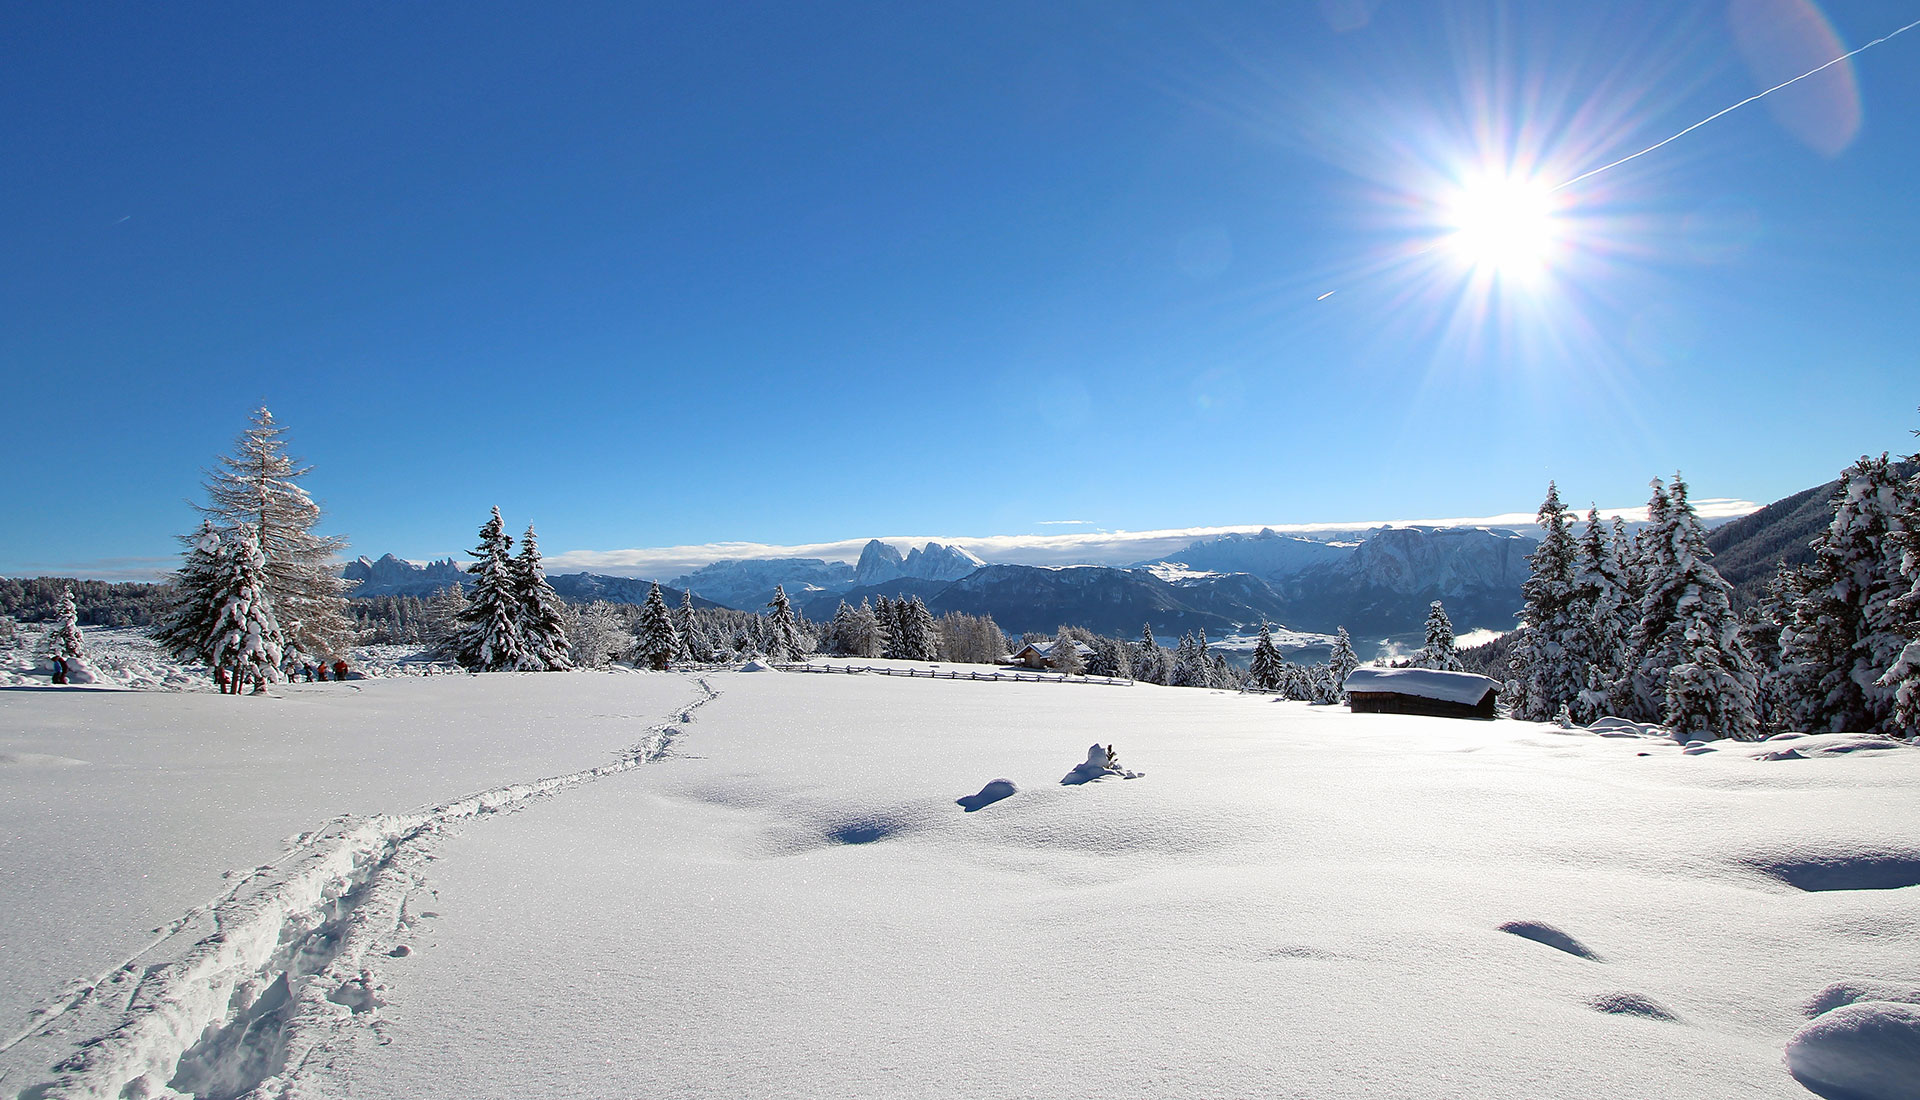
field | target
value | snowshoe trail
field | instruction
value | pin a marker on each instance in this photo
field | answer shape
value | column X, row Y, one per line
column 260, row 983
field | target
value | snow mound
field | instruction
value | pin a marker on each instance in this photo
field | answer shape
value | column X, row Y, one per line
column 1099, row 764
column 1424, row 683
column 37, row 760
column 757, row 665
column 1809, row 746
column 1819, row 871
column 1869, row 1050
column 994, row 791
column 1841, row 994
column 1632, row 1004
column 1620, row 727
column 1540, row 932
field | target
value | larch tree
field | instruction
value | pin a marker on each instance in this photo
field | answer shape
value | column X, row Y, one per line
column 247, row 639
column 655, row 640
column 1064, row 653
column 489, row 636
column 542, row 618
column 259, row 485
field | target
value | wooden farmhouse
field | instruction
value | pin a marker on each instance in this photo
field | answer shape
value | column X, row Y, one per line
column 1421, row 691
column 1032, row 655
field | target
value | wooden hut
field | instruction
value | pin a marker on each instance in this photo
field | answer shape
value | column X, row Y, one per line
column 1421, row 691
column 1033, row 655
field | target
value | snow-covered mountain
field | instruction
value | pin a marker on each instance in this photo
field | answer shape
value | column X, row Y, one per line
column 391, row 576
column 1378, row 585
column 880, row 562
column 1385, row 584
column 1266, row 554
column 749, row 583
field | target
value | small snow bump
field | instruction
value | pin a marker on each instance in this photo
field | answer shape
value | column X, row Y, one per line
column 1547, row 934
column 1632, row 1004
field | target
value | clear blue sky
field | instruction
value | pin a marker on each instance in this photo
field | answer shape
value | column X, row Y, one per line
column 653, row 274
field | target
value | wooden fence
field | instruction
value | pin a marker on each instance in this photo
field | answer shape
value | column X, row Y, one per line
column 956, row 674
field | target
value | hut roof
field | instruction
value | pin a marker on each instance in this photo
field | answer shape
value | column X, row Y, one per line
column 1424, row 683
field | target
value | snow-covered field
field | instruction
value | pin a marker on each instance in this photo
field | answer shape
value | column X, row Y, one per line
column 766, row 884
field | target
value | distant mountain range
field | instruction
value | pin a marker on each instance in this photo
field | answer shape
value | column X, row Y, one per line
column 391, row 576
column 1379, row 584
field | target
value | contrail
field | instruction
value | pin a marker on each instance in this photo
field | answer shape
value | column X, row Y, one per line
column 1735, row 107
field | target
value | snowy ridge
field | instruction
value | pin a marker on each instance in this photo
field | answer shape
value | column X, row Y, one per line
column 252, row 1007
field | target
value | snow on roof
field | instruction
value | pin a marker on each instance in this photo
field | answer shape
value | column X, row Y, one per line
column 1426, row 683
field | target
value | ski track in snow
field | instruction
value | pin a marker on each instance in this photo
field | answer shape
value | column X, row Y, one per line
column 281, row 970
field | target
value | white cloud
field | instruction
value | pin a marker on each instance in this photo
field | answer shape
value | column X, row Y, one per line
column 1066, row 548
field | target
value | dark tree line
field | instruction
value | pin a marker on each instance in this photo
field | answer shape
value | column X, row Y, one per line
column 98, row 603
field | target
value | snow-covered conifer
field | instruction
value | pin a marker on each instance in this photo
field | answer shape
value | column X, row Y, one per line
column 1708, row 682
column 1846, row 630
column 1265, row 668
column 918, row 640
column 1341, row 662
column 1186, row 669
column 684, row 628
column 64, row 639
column 489, row 636
column 1438, row 652
column 186, row 628
column 246, row 639
column 1903, row 676
column 259, row 485
column 1546, row 658
column 887, row 640
column 783, row 630
column 1760, row 631
column 543, row 618
column 1321, row 686
column 655, row 640
column 1603, row 610
column 1652, row 643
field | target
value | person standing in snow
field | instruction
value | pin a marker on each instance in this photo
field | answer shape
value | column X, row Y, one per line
column 59, row 669
column 340, row 669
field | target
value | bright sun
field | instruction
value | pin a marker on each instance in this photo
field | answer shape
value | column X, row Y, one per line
column 1504, row 226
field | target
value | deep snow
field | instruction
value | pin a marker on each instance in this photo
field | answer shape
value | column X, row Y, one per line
column 795, row 898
